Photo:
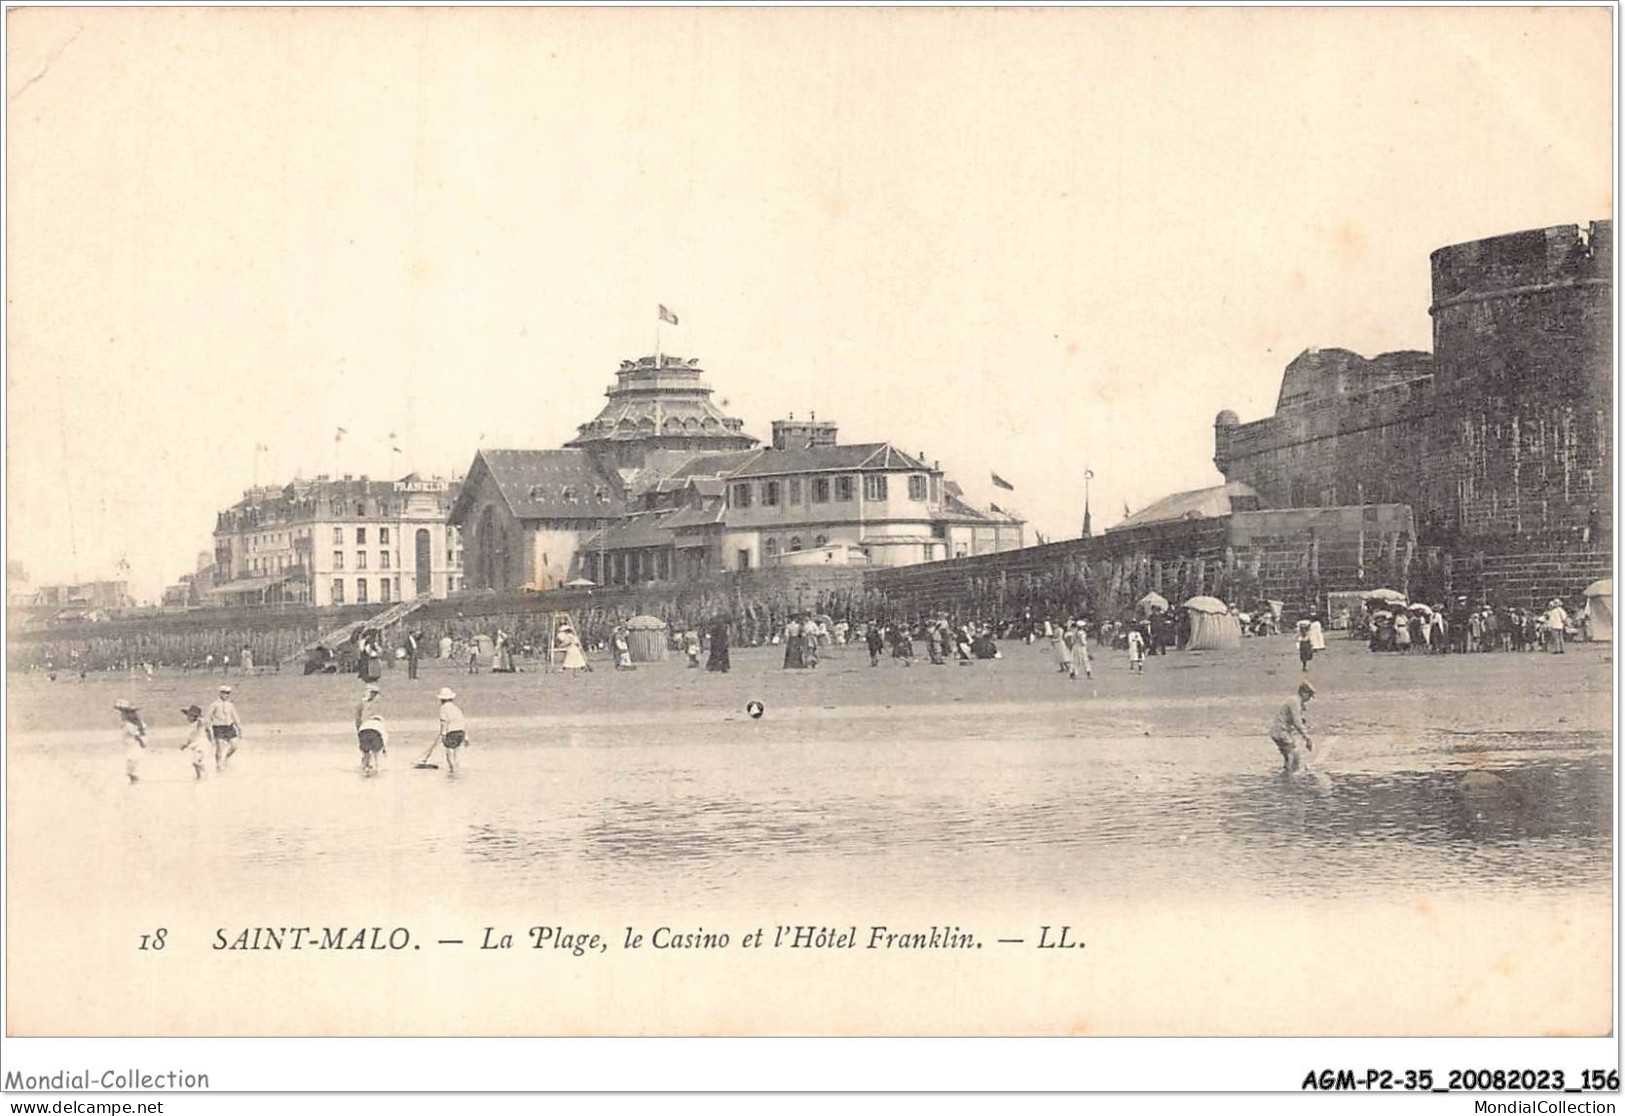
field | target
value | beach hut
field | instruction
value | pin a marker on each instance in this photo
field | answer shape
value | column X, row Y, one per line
column 1213, row 627
column 646, row 639
column 1600, row 610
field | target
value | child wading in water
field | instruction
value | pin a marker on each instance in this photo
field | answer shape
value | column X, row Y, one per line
column 373, row 737
column 453, row 730
column 1290, row 726
column 196, row 736
column 134, row 732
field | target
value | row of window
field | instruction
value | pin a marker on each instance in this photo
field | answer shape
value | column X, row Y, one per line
column 770, row 547
column 388, row 589
column 360, row 536
column 819, row 490
column 361, row 560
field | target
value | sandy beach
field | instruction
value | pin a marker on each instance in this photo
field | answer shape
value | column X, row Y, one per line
column 1454, row 849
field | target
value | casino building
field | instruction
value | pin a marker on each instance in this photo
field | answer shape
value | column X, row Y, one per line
column 663, row 485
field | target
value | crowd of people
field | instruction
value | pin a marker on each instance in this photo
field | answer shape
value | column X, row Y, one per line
column 1387, row 624
column 1463, row 628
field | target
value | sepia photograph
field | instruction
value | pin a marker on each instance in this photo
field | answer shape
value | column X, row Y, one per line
column 809, row 522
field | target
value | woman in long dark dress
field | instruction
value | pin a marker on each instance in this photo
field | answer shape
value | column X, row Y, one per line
column 719, row 647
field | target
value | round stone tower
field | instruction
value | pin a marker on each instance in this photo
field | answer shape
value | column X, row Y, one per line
column 1521, row 435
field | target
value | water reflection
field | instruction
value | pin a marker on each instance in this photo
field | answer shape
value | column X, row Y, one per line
column 935, row 815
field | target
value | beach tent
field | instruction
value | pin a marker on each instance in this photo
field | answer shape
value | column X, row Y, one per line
column 1213, row 626
column 1214, row 631
column 646, row 639
column 1600, row 610
column 1153, row 602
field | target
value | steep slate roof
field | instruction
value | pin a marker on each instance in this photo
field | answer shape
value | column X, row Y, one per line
column 1201, row 503
column 713, row 464
column 708, row 514
column 532, row 484
column 644, row 531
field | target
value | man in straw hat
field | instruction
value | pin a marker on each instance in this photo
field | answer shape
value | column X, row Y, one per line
column 134, row 734
column 1290, row 726
column 224, row 727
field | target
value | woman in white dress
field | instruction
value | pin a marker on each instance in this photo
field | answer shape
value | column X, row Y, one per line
column 570, row 644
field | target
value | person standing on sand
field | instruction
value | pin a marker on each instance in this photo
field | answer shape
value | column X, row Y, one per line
column 196, row 736
column 691, row 648
column 1136, row 651
column 133, row 731
column 453, row 734
column 413, row 640
column 1557, row 622
column 225, row 729
column 1061, row 643
column 570, row 644
column 1306, row 646
column 874, row 641
column 718, row 659
column 1080, row 649
column 1290, row 726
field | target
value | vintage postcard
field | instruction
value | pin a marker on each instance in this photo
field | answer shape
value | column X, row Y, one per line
column 812, row 522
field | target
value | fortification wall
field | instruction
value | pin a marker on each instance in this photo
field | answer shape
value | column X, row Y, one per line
column 1521, row 440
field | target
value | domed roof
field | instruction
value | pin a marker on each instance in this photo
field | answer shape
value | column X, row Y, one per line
column 1227, row 417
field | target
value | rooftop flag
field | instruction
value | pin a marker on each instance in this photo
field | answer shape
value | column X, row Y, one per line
column 1002, row 483
column 667, row 316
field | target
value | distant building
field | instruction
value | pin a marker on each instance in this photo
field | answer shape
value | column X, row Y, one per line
column 663, row 485
column 523, row 513
column 85, row 595
column 334, row 542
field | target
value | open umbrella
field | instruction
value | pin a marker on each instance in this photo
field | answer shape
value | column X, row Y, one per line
column 1153, row 602
column 1391, row 596
column 1206, row 604
column 1422, row 608
column 1603, row 588
column 581, row 583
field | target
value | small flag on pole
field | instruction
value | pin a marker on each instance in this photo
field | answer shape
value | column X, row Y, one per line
column 1125, row 509
column 1002, row 483
column 339, row 434
column 261, row 447
column 667, row 316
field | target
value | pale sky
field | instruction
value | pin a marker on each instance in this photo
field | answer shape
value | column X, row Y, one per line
column 1028, row 242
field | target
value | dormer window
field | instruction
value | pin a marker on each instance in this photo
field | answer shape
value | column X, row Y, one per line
column 601, row 494
column 569, row 494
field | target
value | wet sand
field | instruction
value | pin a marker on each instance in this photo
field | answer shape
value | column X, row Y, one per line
column 1447, row 872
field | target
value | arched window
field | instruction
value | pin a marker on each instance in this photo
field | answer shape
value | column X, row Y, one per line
column 795, row 543
column 823, row 540
column 771, row 548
